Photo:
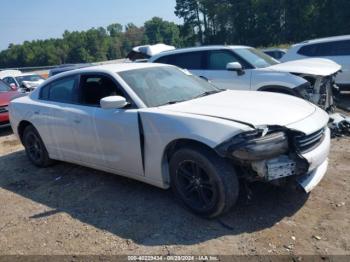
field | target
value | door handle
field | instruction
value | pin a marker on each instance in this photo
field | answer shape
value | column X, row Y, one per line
column 77, row 121
column 36, row 112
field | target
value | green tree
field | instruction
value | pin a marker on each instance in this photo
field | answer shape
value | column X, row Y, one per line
column 159, row 31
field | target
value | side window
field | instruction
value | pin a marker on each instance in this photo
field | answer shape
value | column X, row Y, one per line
column 190, row 61
column 218, row 60
column 63, row 90
column 9, row 80
column 163, row 60
column 341, row 48
column 308, row 50
column 314, row 50
column 95, row 87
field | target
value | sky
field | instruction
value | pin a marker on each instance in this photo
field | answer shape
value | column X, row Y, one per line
column 22, row 20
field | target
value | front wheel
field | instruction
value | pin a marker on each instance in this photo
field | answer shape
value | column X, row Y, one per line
column 203, row 181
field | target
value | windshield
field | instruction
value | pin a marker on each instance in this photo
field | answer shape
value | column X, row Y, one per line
column 255, row 57
column 158, row 86
column 30, row 78
column 4, row 87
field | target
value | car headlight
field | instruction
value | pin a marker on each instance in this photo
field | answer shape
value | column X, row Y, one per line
column 304, row 90
column 253, row 146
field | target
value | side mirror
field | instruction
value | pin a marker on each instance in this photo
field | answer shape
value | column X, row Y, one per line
column 113, row 102
column 235, row 66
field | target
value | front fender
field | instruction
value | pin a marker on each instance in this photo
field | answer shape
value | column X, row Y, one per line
column 263, row 77
column 161, row 128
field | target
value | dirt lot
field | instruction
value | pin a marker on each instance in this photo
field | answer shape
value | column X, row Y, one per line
column 68, row 209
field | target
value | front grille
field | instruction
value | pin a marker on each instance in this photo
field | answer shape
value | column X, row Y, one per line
column 305, row 143
column 3, row 109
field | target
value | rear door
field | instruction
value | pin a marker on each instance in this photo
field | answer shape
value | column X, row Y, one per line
column 341, row 55
column 52, row 113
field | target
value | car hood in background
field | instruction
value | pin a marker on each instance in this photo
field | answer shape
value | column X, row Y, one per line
column 309, row 66
column 253, row 108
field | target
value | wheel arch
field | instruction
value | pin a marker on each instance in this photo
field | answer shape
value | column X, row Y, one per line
column 175, row 145
column 277, row 89
column 21, row 127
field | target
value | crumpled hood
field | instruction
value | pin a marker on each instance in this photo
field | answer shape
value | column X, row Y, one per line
column 309, row 66
column 254, row 108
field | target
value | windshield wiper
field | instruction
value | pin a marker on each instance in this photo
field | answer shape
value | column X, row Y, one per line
column 173, row 102
column 210, row 93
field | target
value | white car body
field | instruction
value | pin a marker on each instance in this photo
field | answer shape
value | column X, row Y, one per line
column 13, row 78
column 335, row 48
column 134, row 142
column 284, row 78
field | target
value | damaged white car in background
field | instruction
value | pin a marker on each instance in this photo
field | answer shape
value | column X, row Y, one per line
column 23, row 82
column 246, row 68
column 162, row 126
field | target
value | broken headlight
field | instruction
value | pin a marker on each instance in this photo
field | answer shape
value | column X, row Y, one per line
column 255, row 146
column 304, row 90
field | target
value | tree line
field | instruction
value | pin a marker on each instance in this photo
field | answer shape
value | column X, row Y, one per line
column 249, row 22
column 264, row 22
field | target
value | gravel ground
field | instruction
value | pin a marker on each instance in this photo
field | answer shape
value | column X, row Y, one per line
column 67, row 209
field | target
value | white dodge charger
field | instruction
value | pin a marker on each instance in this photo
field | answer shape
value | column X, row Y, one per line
column 160, row 125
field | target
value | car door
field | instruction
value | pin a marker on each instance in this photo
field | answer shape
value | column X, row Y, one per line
column 340, row 53
column 56, row 101
column 106, row 138
column 216, row 72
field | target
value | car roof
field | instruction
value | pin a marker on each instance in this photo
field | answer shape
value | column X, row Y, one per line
column 14, row 73
column 326, row 39
column 201, row 48
column 110, row 68
column 274, row 50
column 119, row 67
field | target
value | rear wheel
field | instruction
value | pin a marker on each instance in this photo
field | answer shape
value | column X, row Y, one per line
column 35, row 148
column 203, row 181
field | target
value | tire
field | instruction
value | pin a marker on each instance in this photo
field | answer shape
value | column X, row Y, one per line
column 35, row 148
column 204, row 182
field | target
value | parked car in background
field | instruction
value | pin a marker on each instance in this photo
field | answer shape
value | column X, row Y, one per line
column 24, row 82
column 163, row 126
column 276, row 53
column 246, row 68
column 66, row 67
column 6, row 94
column 335, row 48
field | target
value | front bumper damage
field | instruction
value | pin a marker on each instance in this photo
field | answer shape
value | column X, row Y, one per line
column 304, row 163
column 319, row 90
column 339, row 125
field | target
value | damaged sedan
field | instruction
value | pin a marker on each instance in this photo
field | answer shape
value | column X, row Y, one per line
column 163, row 126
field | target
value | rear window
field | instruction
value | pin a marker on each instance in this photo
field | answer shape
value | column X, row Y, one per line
column 4, row 87
column 336, row 48
column 190, row 61
column 62, row 90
